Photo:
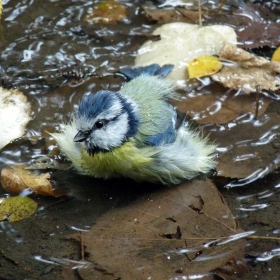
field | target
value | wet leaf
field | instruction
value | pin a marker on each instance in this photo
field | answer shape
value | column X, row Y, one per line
column 249, row 72
column 46, row 162
column 248, row 148
column 14, row 115
column 256, row 25
column 109, row 12
column 163, row 235
column 182, row 42
column 16, row 179
column 262, row 28
column 219, row 107
column 276, row 55
column 17, row 208
column 168, row 15
column 203, row 66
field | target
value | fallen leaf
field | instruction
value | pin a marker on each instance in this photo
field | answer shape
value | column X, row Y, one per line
column 256, row 25
column 109, row 12
column 16, row 179
column 276, row 55
column 248, row 148
column 249, row 72
column 46, row 162
column 262, row 28
column 214, row 105
column 14, row 115
column 17, row 208
column 203, row 66
column 168, row 15
column 177, row 231
column 182, row 42
column 1, row 8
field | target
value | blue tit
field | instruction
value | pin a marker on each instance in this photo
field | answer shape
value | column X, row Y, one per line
column 134, row 133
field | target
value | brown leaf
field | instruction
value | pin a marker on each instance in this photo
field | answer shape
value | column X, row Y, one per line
column 109, row 12
column 250, row 71
column 248, row 148
column 219, row 107
column 15, row 179
column 262, row 28
column 46, row 162
column 168, row 15
column 162, row 235
column 255, row 24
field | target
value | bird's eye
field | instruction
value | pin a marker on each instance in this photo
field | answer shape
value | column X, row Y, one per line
column 99, row 124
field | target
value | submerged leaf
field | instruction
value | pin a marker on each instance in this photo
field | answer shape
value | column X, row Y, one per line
column 175, row 230
column 109, row 12
column 262, row 27
column 204, row 66
column 219, row 107
column 17, row 208
column 169, row 15
column 14, row 115
column 15, row 179
column 248, row 148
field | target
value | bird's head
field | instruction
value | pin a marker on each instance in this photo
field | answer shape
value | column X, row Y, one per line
column 105, row 120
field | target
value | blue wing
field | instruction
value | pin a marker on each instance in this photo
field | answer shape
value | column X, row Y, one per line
column 151, row 70
column 167, row 137
column 170, row 134
column 159, row 119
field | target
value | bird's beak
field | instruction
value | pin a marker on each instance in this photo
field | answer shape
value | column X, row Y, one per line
column 80, row 136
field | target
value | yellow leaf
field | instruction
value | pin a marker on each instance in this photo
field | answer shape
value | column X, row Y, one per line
column 0, row 8
column 276, row 55
column 109, row 12
column 17, row 208
column 204, row 66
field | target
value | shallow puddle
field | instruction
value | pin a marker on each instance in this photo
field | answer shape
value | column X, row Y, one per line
column 54, row 57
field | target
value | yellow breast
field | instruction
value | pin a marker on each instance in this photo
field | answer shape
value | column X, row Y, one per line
column 122, row 161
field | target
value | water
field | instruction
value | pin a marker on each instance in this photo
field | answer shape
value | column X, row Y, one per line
column 54, row 57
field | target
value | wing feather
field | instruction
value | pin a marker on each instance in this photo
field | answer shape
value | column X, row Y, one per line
column 152, row 94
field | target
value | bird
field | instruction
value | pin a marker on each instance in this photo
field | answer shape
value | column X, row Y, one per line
column 136, row 132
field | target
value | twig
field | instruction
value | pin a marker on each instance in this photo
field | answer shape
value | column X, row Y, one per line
column 199, row 14
column 221, row 5
column 82, row 246
column 257, row 102
column 263, row 237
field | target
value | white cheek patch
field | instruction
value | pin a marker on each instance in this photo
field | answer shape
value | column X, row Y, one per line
column 112, row 135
